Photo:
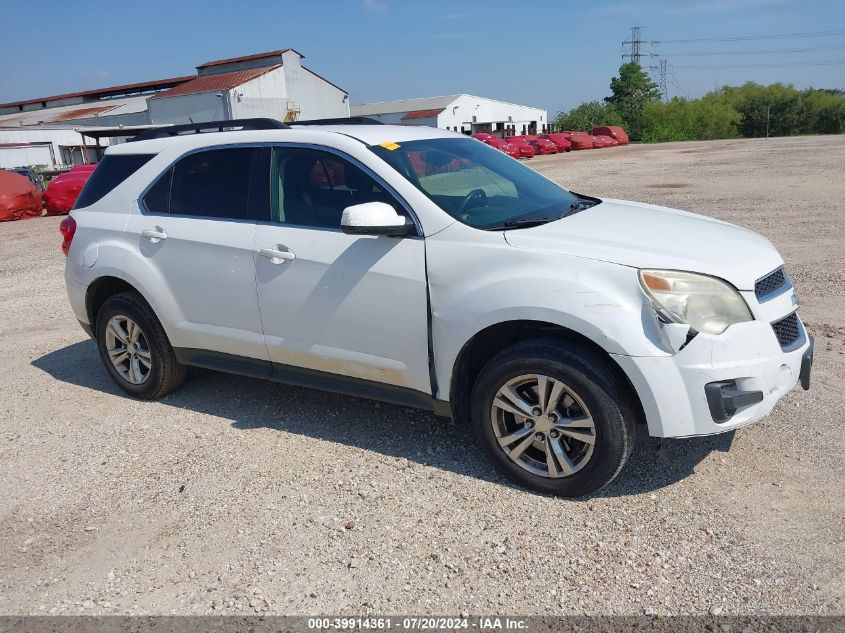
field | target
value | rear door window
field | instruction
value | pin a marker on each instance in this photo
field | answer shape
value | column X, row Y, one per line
column 110, row 172
column 208, row 184
column 213, row 184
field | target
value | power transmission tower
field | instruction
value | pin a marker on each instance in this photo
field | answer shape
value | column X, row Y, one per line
column 662, row 68
column 634, row 42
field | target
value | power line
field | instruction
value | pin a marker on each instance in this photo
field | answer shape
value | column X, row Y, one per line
column 746, row 38
column 760, row 52
column 832, row 62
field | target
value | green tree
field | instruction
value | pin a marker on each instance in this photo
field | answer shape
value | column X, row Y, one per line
column 748, row 110
column 825, row 110
column 630, row 92
column 684, row 120
column 776, row 110
column 587, row 116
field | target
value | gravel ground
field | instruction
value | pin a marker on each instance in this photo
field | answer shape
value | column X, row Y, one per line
column 238, row 496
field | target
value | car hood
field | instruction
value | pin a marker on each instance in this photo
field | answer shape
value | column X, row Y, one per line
column 648, row 236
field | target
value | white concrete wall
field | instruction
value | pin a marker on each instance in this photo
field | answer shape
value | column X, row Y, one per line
column 317, row 98
column 461, row 112
column 458, row 113
column 264, row 96
column 24, row 155
column 55, row 137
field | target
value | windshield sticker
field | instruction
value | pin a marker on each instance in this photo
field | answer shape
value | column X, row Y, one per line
column 391, row 145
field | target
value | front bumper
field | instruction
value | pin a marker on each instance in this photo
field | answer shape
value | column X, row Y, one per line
column 673, row 392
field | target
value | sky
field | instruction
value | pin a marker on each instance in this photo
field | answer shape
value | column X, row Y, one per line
column 553, row 54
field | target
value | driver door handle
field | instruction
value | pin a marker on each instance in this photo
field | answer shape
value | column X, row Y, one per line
column 277, row 256
column 155, row 234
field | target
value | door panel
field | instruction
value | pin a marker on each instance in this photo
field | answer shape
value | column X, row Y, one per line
column 205, row 269
column 195, row 234
column 350, row 305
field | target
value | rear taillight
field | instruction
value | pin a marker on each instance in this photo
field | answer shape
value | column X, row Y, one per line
column 67, row 228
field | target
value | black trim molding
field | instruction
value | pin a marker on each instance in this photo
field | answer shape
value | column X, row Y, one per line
column 311, row 378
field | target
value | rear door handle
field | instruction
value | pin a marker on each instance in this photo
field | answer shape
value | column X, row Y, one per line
column 155, row 235
column 277, row 256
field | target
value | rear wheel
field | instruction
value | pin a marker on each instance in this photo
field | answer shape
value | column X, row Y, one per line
column 554, row 418
column 134, row 348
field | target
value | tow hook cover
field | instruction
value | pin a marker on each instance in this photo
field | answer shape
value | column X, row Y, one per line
column 724, row 399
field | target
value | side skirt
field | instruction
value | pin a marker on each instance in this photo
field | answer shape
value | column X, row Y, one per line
column 311, row 378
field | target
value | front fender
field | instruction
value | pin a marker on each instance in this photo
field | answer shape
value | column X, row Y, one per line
column 480, row 282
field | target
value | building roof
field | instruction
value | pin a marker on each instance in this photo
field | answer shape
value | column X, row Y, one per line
column 91, row 109
column 403, row 105
column 423, row 114
column 248, row 58
column 218, row 81
column 144, row 86
column 422, row 103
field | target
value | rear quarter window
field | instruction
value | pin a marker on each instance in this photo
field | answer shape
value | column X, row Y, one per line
column 110, row 172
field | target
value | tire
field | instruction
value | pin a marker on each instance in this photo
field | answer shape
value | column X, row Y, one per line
column 591, row 393
column 157, row 371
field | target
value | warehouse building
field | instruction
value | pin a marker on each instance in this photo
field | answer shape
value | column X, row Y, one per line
column 459, row 113
column 275, row 84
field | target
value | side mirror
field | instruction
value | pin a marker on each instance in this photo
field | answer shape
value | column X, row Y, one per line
column 374, row 218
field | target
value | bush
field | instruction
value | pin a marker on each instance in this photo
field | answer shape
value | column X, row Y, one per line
column 781, row 110
column 587, row 116
column 683, row 120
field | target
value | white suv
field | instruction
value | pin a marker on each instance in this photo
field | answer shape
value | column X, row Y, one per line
column 421, row 267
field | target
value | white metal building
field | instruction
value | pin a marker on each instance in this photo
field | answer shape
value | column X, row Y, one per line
column 43, row 131
column 460, row 113
column 275, row 84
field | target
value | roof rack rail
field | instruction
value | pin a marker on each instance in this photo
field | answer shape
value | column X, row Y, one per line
column 352, row 120
column 166, row 131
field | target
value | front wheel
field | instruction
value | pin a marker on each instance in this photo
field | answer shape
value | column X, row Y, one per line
column 553, row 417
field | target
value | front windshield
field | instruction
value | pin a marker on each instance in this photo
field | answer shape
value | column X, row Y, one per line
column 477, row 184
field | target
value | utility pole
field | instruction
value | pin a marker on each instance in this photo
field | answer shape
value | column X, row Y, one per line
column 767, row 120
column 634, row 42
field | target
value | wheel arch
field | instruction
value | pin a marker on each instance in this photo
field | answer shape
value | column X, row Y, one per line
column 491, row 340
column 101, row 289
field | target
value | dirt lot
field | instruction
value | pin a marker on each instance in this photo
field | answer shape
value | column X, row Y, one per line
column 234, row 495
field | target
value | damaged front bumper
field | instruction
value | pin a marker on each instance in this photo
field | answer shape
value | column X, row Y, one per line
column 717, row 383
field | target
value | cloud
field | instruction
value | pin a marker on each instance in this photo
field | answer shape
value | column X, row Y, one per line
column 102, row 73
column 453, row 16
column 375, row 6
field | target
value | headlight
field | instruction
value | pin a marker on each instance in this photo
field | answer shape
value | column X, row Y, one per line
column 706, row 304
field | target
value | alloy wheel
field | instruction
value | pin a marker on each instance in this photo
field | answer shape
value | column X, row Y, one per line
column 128, row 349
column 543, row 426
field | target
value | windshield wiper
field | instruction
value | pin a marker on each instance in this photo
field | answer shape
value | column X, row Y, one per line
column 523, row 223
column 526, row 222
column 580, row 204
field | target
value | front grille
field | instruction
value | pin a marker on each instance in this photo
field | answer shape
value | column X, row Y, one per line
column 787, row 330
column 771, row 283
